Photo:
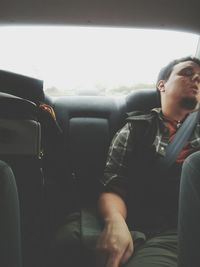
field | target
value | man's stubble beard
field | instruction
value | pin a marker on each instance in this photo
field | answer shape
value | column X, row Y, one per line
column 189, row 103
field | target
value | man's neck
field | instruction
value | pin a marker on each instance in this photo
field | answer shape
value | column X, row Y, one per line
column 175, row 113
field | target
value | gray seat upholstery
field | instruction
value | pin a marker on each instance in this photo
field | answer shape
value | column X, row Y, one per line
column 142, row 99
column 89, row 124
column 20, row 147
column 22, row 86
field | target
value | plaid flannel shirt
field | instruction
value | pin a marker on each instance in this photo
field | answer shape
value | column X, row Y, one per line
column 122, row 145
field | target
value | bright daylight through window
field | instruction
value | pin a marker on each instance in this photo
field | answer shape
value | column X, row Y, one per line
column 83, row 60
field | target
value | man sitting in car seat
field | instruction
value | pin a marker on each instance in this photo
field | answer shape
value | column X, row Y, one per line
column 137, row 195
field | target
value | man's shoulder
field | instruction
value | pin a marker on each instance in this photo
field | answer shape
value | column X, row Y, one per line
column 144, row 125
column 140, row 115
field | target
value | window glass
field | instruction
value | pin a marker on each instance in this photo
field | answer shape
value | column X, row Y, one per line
column 92, row 60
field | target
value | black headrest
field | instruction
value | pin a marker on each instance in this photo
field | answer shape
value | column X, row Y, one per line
column 142, row 99
column 21, row 86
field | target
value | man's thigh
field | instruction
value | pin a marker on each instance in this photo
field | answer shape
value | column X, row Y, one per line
column 158, row 251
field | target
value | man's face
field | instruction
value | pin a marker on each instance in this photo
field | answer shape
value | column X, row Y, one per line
column 183, row 85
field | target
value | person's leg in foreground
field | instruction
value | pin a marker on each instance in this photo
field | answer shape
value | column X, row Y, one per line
column 10, row 235
column 189, row 213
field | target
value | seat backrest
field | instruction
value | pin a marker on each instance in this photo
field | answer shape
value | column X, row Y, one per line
column 142, row 99
column 88, row 123
column 20, row 131
column 22, row 86
column 21, row 149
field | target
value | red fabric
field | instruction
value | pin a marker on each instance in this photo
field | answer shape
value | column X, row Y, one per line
column 172, row 127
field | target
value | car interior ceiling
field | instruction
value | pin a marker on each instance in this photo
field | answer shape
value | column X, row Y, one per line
column 160, row 14
column 72, row 168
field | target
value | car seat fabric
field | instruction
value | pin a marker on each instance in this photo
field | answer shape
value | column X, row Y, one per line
column 89, row 124
column 15, row 123
column 20, row 132
column 142, row 99
column 22, row 86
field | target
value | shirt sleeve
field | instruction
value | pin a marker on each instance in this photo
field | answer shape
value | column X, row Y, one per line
column 116, row 169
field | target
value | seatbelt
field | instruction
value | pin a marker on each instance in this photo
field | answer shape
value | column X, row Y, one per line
column 179, row 140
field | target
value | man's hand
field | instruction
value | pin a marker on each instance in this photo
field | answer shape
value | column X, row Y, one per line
column 115, row 244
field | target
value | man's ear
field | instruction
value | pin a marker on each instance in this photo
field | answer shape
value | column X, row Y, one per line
column 161, row 85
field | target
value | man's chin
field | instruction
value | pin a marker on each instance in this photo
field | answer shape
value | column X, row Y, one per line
column 188, row 103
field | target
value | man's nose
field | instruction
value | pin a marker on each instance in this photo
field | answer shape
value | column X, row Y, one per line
column 196, row 77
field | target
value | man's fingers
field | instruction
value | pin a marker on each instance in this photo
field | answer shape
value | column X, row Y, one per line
column 127, row 253
column 113, row 260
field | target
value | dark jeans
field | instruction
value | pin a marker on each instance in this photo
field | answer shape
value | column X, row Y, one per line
column 161, row 250
column 189, row 213
column 158, row 251
column 10, row 243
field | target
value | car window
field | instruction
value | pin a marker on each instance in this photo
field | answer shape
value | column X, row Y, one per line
column 92, row 60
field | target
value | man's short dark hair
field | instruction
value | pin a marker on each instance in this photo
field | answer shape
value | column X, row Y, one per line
column 166, row 71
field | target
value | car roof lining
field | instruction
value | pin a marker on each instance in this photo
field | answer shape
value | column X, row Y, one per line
column 159, row 14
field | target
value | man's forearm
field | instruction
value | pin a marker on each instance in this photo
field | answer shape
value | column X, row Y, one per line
column 110, row 205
